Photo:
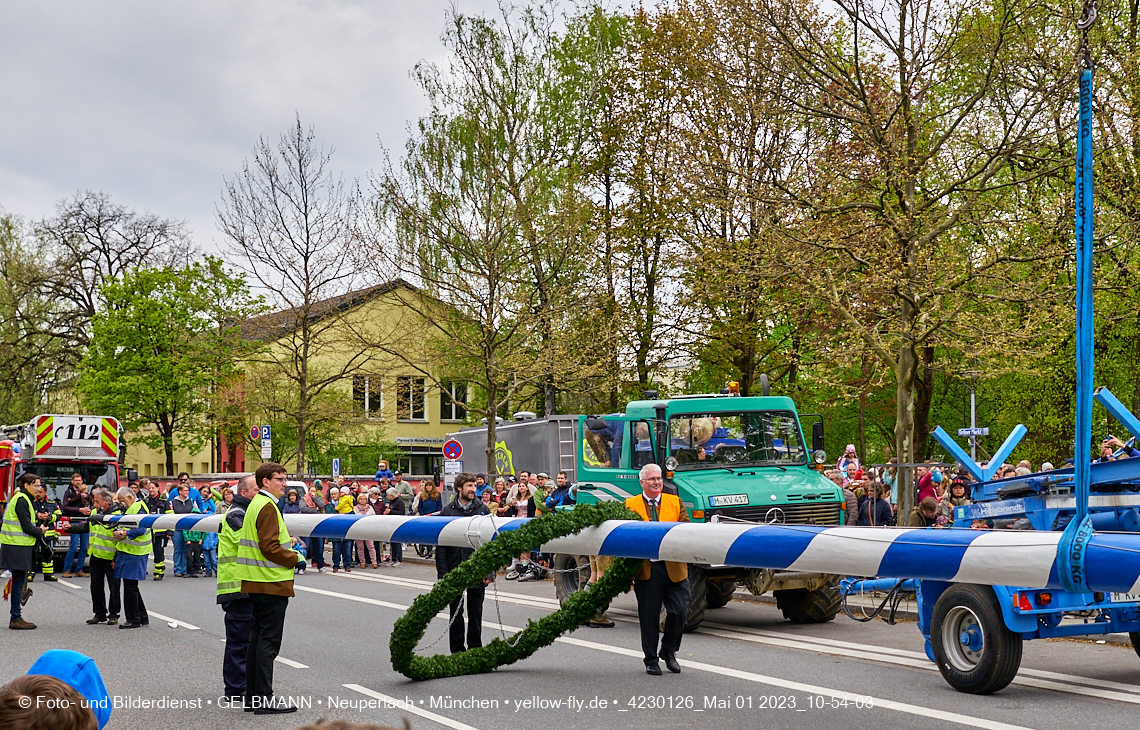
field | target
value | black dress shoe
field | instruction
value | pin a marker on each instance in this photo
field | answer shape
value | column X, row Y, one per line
column 279, row 710
column 129, row 625
column 96, row 620
column 671, row 663
column 653, row 669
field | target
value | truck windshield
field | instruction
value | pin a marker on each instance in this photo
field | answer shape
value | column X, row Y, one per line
column 57, row 477
column 766, row 438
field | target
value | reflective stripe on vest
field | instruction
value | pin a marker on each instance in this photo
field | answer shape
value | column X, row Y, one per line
column 10, row 531
column 228, row 579
column 136, row 545
column 251, row 563
column 102, row 544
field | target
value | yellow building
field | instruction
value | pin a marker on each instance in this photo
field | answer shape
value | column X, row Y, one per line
column 355, row 337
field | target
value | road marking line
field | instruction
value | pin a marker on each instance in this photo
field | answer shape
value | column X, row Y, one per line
column 917, row 660
column 454, row 724
column 63, row 582
column 291, row 663
column 167, row 619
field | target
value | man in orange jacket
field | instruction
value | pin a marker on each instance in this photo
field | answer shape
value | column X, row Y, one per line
column 660, row 581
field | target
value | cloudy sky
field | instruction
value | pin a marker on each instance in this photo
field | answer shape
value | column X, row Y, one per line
column 157, row 102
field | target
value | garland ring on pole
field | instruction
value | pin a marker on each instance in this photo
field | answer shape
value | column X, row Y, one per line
column 576, row 610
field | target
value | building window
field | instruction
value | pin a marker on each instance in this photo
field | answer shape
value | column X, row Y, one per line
column 453, row 402
column 410, row 398
column 368, row 393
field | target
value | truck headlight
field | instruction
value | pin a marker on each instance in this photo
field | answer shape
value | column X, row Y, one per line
column 820, row 456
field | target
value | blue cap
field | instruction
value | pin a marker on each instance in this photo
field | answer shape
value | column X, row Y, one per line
column 936, row 477
column 79, row 671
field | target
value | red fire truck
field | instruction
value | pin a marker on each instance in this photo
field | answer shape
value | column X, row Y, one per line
column 55, row 447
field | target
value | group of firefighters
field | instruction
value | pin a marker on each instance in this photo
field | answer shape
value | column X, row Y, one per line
column 254, row 576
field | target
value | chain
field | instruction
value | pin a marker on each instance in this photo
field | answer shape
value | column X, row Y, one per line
column 1083, row 25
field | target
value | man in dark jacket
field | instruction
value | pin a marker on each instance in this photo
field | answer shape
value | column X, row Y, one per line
column 76, row 506
column 448, row 559
column 156, row 504
column 877, row 512
column 396, row 506
column 47, row 514
column 18, row 537
column 102, row 560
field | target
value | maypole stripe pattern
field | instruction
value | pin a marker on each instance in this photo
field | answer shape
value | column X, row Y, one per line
column 1015, row 558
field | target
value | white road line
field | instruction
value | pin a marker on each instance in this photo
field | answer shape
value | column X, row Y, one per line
column 167, row 619
column 291, row 663
column 903, row 707
column 1068, row 683
column 63, row 582
column 447, row 721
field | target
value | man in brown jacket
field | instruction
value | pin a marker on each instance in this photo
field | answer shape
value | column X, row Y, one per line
column 266, row 573
column 660, row 582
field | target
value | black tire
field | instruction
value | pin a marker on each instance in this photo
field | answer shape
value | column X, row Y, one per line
column 566, row 580
column 720, row 592
column 1134, row 636
column 979, row 669
column 801, row 606
column 698, row 598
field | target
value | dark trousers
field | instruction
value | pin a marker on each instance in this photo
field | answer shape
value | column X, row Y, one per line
column 650, row 595
column 133, row 604
column 239, row 622
column 474, row 617
column 19, row 578
column 342, row 553
column 315, row 547
column 267, row 627
column 193, row 558
column 157, row 547
column 397, row 552
column 102, row 572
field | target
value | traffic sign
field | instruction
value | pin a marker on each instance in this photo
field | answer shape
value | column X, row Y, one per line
column 452, row 450
column 254, row 433
column 450, row 469
column 336, row 468
column 973, row 432
column 266, row 443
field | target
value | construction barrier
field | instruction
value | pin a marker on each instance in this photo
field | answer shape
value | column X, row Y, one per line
column 989, row 557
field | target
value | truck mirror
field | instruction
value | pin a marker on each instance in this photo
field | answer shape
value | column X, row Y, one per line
column 817, row 436
column 132, row 475
column 5, row 463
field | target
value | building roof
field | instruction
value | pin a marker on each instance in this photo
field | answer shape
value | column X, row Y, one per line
column 275, row 324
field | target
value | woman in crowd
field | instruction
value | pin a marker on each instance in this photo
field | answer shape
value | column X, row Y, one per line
column 292, row 503
column 341, row 549
column 181, row 504
column 954, row 497
column 379, row 507
column 364, row 548
column 431, row 502
column 520, row 503
column 227, row 500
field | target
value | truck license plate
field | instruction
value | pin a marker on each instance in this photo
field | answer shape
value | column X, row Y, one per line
column 728, row 500
column 1126, row 597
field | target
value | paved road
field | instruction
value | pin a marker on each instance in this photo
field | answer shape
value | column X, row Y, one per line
column 746, row 668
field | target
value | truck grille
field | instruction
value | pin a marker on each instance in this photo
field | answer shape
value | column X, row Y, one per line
column 823, row 513
column 75, row 452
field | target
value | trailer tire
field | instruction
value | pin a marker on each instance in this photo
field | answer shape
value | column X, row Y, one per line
column 566, row 581
column 720, row 592
column 974, row 650
column 801, row 606
column 1134, row 636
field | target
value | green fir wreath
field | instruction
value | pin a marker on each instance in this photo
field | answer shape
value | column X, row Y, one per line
column 579, row 608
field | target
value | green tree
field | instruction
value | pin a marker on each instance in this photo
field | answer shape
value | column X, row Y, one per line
column 161, row 347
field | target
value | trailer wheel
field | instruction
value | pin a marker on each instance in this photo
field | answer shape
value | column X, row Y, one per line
column 567, row 580
column 974, row 650
column 720, row 592
column 801, row 606
column 1134, row 636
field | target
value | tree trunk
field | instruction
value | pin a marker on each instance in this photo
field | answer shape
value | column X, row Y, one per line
column 492, row 431
column 924, row 397
column 904, row 425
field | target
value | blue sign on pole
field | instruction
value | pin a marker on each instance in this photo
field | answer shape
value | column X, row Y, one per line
column 336, row 468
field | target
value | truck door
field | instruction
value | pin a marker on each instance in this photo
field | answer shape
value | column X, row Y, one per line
column 613, row 450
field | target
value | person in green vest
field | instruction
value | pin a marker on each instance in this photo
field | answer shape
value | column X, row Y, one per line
column 101, row 550
column 47, row 514
column 133, row 546
column 18, row 536
column 265, row 565
column 237, row 605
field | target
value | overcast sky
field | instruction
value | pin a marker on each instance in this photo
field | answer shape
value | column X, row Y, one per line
column 157, row 102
